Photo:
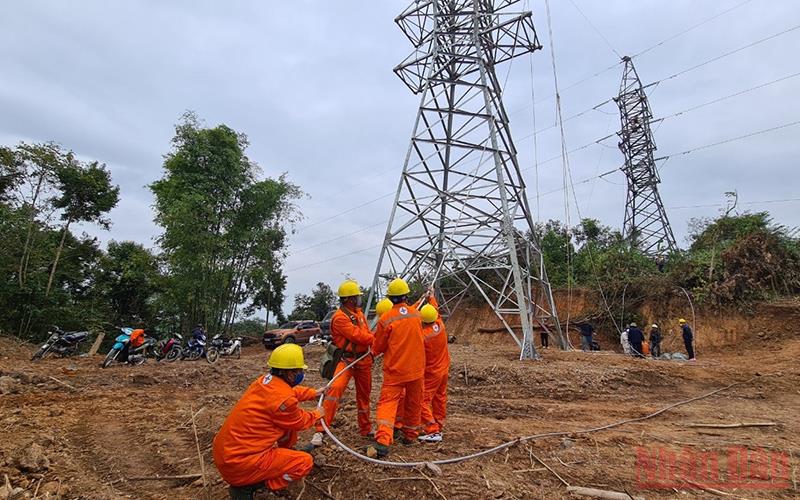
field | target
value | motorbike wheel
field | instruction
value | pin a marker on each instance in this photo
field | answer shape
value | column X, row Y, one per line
column 173, row 354
column 39, row 354
column 110, row 357
column 138, row 360
column 212, row 355
column 193, row 355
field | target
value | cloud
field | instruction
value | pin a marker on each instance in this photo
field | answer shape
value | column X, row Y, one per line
column 310, row 83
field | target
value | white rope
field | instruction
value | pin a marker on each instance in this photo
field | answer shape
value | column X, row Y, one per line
column 518, row 440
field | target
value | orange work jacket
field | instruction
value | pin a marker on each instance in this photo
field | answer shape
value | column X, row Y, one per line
column 437, row 355
column 266, row 412
column 350, row 331
column 399, row 338
column 137, row 337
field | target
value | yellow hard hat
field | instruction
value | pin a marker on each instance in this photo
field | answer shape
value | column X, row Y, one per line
column 287, row 357
column 429, row 313
column 383, row 306
column 349, row 288
column 681, row 321
column 398, row 287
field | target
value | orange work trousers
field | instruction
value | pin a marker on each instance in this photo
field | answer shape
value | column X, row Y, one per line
column 362, row 373
column 434, row 402
column 276, row 467
column 410, row 393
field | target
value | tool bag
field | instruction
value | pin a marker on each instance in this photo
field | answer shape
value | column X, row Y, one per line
column 330, row 359
column 332, row 356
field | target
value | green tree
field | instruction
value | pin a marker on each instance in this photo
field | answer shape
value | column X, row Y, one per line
column 224, row 229
column 86, row 195
column 316, row 305
column 131, row 281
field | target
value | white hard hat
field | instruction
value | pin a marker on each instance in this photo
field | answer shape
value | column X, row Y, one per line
column 654, row 325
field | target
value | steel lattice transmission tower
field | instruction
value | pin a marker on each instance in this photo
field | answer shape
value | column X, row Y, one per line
column 646, row 225
column 461, row 216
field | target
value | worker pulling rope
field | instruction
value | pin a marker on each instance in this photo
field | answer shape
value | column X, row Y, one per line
column 507, row 444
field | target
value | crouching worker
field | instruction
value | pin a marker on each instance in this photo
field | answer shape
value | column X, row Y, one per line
column 437, row 371
column 254, row 446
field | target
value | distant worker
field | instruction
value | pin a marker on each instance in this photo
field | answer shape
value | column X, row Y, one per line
column 352, row 335
column 254, row 445
column 137, row 338
column 635, row 339
column 199, row 333
column 623, row 339
column 655, row 341
column 399, row 338
column 437, row 371
column 688, row 338
column 587, row 331
column 545, row 339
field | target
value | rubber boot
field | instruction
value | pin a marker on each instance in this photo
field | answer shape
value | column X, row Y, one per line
column 245, row 492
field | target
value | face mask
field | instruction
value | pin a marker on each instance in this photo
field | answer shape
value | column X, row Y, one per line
column 298, row 379
column 358, row 301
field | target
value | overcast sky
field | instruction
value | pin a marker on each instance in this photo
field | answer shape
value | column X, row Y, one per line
column 311, row 84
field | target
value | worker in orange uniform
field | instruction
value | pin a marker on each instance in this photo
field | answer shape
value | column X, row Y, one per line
column 398, row 419
column 437, row 371
column 399, row 338
column 254, row 445
column 352, row 335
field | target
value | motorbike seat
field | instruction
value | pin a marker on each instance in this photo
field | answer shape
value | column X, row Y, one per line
column 76, row 336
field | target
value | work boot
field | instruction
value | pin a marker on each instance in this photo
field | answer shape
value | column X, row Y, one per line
column 398, row 434
column 377, row 450
column 407, row 441
column 245, row 492
column 316, row 439
column 433, row 437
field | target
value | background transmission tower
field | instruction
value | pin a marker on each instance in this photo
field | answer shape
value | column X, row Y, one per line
column 646, row 225
column 461, row 216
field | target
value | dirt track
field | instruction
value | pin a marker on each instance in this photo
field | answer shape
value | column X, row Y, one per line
column 127, row 422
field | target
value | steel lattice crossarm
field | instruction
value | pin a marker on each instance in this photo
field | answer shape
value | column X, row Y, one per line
column 505, row 34
column 461, row 216
column 646, row 225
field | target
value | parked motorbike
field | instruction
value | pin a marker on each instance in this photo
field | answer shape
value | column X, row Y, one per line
column 169, row 349
column 196, row 349
column 227, row 347
column 121, row 351
column 60, row 342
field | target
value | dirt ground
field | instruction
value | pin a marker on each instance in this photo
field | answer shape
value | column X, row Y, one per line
column 70, row 429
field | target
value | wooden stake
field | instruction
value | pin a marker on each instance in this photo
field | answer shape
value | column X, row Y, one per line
column 62, row 383
column 711, row 490
column 97, row 342
column 734, row 426
column 322, row 492
column 199, row 454
column 165, row 478
column 438, row 492
column 466, row 377
column 548, row 468
column 595, row 493
column 302, row 490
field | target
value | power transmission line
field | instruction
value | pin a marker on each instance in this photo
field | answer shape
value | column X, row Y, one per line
column 596, row 30
column 732, row 139
column 729, row 96
column 690, row 28
column 726, row 54
column 760, row 202
column 675, row 75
